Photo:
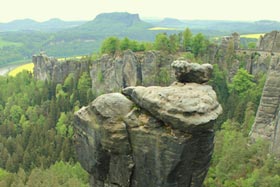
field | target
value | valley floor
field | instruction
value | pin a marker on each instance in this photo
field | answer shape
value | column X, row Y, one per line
column 4, row 70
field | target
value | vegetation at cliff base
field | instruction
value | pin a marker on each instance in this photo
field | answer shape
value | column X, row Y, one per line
column 36, row 133
column 237, row 162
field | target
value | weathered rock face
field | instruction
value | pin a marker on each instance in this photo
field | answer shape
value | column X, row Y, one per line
column 43, row 66
column 111, row 73
column 234, row 38
column 148, row 136
column 276, row 136
column 270, row 42
column 266, row 123
column 191, row 72
column 48, row 68
column 222, row 53
column 255, row 62
column 258, row 62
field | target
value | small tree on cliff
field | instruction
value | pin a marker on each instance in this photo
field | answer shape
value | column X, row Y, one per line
column 174, row 41
column 187, row 39
column 199, row 44
column 84, row 86
column 110, row 45
column 162, row 42
column 125, row 44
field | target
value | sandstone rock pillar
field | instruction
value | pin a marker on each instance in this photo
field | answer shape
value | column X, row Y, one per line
column 150, row 136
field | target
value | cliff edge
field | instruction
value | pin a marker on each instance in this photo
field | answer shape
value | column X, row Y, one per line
column 150, row 136
column 267, row 118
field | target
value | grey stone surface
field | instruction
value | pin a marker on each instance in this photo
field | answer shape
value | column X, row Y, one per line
column 102, row 145
column 130, row 69
column 183, row 106
column 265, row 125
column 110, row 73
column 43, row 66
column 192, row 72
column 49, row 68
column 162, row 137
column 276, row 137
column 234, row 38
column 269, row 42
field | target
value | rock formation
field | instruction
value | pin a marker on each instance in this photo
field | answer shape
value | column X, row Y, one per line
column 234, row 39
column 191, row 72
column 276, row 136
column 258, row 62
column 270, row 42
column 150, row 136
column 266, row 122
column 49, row 68
column 111, row 73
column 263, row 60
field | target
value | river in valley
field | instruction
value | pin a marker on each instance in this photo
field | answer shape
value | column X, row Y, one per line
column 5, row 69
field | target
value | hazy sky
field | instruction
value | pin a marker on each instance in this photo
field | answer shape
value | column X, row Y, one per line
column 42, row 10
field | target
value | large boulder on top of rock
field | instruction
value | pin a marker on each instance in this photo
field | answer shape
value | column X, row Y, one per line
column 186, row 72
column 150, row 136
column 183, row 106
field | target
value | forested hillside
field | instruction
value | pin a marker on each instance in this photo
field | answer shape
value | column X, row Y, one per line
column 35, row 131
column 36, row 117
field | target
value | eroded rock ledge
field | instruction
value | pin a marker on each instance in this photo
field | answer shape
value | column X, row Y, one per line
column 148, row 136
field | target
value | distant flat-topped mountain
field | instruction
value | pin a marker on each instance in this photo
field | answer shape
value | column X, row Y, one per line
column 171, row 22
column 54, row 24
column 120, row 24
column 114, row 23
column 118, row 17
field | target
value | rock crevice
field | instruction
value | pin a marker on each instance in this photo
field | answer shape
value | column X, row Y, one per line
column 148, row 136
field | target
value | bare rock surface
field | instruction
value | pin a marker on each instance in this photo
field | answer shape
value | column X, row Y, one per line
column 267, row 119
column 270, row 42
column 192, row 72
column 150, row 136
column 183, row 106
column 49, row 68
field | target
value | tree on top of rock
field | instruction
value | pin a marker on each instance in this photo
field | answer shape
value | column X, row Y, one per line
column 84, row 88
column 187, row 39
column 199, row 44
column 162, row 43
column 110, row 45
